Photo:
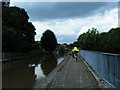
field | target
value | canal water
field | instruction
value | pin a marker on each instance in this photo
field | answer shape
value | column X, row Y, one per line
column 28, row 72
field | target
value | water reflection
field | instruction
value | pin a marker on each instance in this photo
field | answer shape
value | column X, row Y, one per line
column 48, row 64
column 27, row 72
column 23, row 77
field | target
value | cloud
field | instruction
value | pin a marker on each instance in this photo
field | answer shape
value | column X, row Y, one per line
column 66, row 38
column 44, row 11
column 68, row 20
column 68, row 30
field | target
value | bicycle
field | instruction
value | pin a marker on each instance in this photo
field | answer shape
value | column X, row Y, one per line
column 75, row 56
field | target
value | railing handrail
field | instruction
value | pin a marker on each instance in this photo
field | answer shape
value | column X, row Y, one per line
column 112, row 54
column 106, row 64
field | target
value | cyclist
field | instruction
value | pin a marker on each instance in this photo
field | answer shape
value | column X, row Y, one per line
column 75, row 52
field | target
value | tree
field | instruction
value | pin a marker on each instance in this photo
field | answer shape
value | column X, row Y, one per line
column 110, row 41
column 17, row 33
column 7, row 3
column 49, row 41
column 106, row 41
column 61, row 49
column 89, row 39
column 114, row 40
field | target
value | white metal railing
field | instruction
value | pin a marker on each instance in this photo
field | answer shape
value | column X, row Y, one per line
column 106, row 64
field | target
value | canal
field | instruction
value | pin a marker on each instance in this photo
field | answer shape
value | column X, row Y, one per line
column 28, row 72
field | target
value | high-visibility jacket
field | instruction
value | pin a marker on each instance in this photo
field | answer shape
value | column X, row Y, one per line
column 75, row 49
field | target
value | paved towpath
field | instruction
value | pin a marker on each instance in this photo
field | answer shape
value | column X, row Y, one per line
column 72, row 74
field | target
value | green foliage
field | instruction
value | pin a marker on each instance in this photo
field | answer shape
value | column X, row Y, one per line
column 49, row 41
column 111, row 41
column 61, row 49
column 5, row 4
column 36, row 45
column 106, row 42
column 17, row 33
column 10, row 37
column 89, row 39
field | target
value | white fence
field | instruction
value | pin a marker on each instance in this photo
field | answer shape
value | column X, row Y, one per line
column 106, row 64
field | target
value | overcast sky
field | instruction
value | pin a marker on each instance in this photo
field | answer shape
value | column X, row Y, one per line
column 70, row 19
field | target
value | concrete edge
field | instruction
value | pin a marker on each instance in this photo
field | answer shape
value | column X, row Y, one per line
column 100, row 81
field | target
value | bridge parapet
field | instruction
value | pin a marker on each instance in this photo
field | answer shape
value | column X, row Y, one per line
column 105, row 64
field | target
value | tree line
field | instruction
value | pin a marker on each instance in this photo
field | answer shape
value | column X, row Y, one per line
column 18, row 35
column 17, row 32
column 106, row 42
